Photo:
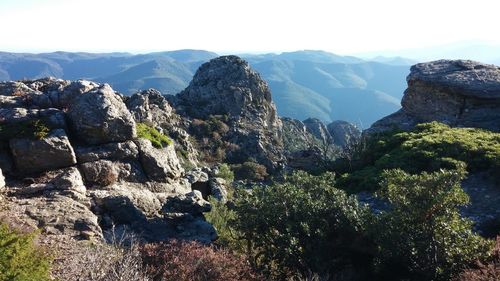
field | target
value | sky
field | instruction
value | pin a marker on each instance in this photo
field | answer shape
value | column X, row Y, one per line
column 234, row 26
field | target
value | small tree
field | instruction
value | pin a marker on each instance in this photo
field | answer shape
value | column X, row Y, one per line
column 423, row 236
column 20, row 259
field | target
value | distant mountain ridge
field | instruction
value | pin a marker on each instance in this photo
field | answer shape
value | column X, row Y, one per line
column 303, row 83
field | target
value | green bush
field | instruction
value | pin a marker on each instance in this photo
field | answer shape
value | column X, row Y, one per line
column 157, row 139
column 20, row 259
column 423, row 236
column 220, row 217
column 251, row 171
column 429, row 147
column 226, row 173
column 301, row 225
column 33, row 129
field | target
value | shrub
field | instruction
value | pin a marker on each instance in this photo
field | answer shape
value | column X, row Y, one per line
column 33, row 129
column 210, row 135
column 251, row 171
column 20, row 259
column 192, row 261
column 220, row 216
column 120, row 260
column 423, row 236
column 157, row 139
column 226, row 173
column 429, row 147
column 302, row 225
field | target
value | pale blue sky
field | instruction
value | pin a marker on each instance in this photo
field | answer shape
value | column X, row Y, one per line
column 344, row 27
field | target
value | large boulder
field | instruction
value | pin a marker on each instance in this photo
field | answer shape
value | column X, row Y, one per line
column 100, row 116
column 67, row 182
column 37, row 155
column 159, row 164
column 192, row 203
column 101, row 172
column 58, row 215
column 460, row 93
column 218, row 189
column 152, row 108
column 112, row 151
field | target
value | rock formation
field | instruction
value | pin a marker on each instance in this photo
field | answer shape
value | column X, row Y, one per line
column 227, row 86
column 318, row 130
column 308, row 144
column 343, row 133
column 76, row 167
column 460, row 93
column 151, row 107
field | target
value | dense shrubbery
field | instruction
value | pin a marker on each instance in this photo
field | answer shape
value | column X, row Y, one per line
column 304, row 225
column 20, row 259
column 430, row 147
column 157, row 139
column 423, row 236
column 301, row 225
column 192, row 261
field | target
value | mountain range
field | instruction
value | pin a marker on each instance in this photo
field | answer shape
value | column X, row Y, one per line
column 303, row 83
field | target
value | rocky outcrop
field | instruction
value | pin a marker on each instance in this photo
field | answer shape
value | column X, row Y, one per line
column 227, row 86
column 296, row 137
column 91, row 172
column 151, row 108
column 100, row 116
column 318, row 130
column 459, row 93
column 310, row 145
column 37, row 155
column 344, row 133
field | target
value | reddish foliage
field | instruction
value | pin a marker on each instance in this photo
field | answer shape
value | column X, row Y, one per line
column 485, row 272
column 192, row 261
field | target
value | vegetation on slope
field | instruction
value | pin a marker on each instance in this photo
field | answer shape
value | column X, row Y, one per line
column 304, row 224
column 429, row 147
column 20, row 258
column 423, row 236
column 157, row 139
